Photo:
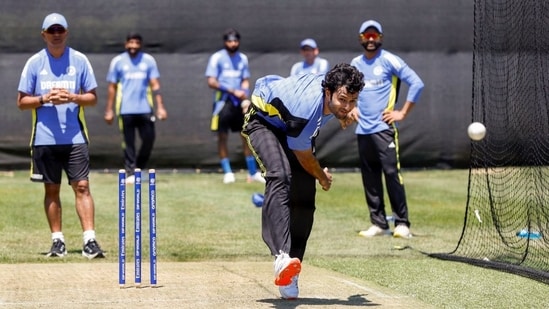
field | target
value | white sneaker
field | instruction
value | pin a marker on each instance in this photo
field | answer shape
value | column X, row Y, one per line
column 402, row 231
column 228, row 178
column 256, row 177
column 130, row 179
column 290, row 291
column 285, row 268
column 373, row 231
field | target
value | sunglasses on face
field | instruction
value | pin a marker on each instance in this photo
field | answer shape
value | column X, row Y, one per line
column 53, row 30
column 370, row 36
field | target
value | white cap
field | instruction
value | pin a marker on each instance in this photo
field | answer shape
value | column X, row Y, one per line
column 54, row 19
column 370, row 23
column 308, row 42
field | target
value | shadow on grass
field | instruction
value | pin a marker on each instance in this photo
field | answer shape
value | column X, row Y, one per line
column 353, row 301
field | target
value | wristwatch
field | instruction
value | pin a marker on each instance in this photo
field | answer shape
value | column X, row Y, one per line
column 41, row 100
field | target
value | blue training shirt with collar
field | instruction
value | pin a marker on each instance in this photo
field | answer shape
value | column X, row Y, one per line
column 61, row 124
column 133, row 76
column 294, row 105
column 229, row 71
column 382, row 77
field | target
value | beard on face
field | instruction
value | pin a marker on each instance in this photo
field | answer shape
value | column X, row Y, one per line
column 133, row 51
column 377, row 45
column 232, row 50
column 338, row 113
column 340, row 116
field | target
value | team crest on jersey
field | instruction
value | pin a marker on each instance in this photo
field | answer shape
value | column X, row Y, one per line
column 378, row 70
column 71, row 70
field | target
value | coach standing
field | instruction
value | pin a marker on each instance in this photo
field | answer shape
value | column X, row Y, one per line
column 56, row 84
column 312, row 63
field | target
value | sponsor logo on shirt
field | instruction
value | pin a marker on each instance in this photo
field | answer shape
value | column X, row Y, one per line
column 372, row 83
column 135, row 75
column 71, row 70
column 67, row 84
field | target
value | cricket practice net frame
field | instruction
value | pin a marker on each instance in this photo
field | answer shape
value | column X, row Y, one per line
column 506, row 224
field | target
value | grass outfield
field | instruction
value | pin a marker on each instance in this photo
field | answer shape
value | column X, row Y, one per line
column 201, row 219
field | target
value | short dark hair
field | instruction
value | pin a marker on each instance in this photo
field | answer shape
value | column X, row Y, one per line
column 134, row 36
column 231, row 33
column 344, row 74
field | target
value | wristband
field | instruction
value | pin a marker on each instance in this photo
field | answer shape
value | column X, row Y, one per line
column 41, row 100
column 156, row 92
column 245, row 104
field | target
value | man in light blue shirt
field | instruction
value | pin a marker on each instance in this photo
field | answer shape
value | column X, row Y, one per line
column 377, row 132
column 228, row 74
column 134, row 87
column 56, row 84
column 281, row 126
column 312, row 63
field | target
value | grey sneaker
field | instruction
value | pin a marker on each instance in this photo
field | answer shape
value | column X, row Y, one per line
column 58, row 249
column 92, row 250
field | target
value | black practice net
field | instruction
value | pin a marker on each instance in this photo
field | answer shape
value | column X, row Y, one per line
column 507, row 216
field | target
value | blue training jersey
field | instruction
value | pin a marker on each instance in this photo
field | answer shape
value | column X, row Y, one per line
column 133, row 76
column 319, row 66
column 62, row 124
column 382, row 77
column 294, row 105
column 229, row 71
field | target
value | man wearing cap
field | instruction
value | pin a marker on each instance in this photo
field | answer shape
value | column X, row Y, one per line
column 311, row 63
column 377, row 133
column 229, row 75
column 56, row 84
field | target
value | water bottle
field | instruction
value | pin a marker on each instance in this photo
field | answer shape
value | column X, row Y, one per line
column 524, row 233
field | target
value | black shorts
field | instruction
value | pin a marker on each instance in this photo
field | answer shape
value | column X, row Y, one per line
column 48, row 163
column 230, row 118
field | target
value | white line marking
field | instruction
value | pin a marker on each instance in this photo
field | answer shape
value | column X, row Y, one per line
column 371, row 291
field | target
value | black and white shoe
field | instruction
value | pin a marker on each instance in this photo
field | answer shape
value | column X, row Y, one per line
column 58, row 249
column 92, row 250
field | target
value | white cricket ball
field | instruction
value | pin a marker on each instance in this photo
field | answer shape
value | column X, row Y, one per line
column 476, row 131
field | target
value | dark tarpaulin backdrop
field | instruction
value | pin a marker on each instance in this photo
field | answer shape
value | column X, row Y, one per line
column 433, row 37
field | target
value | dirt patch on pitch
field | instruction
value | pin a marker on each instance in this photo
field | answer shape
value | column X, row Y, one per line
column 185, row 285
